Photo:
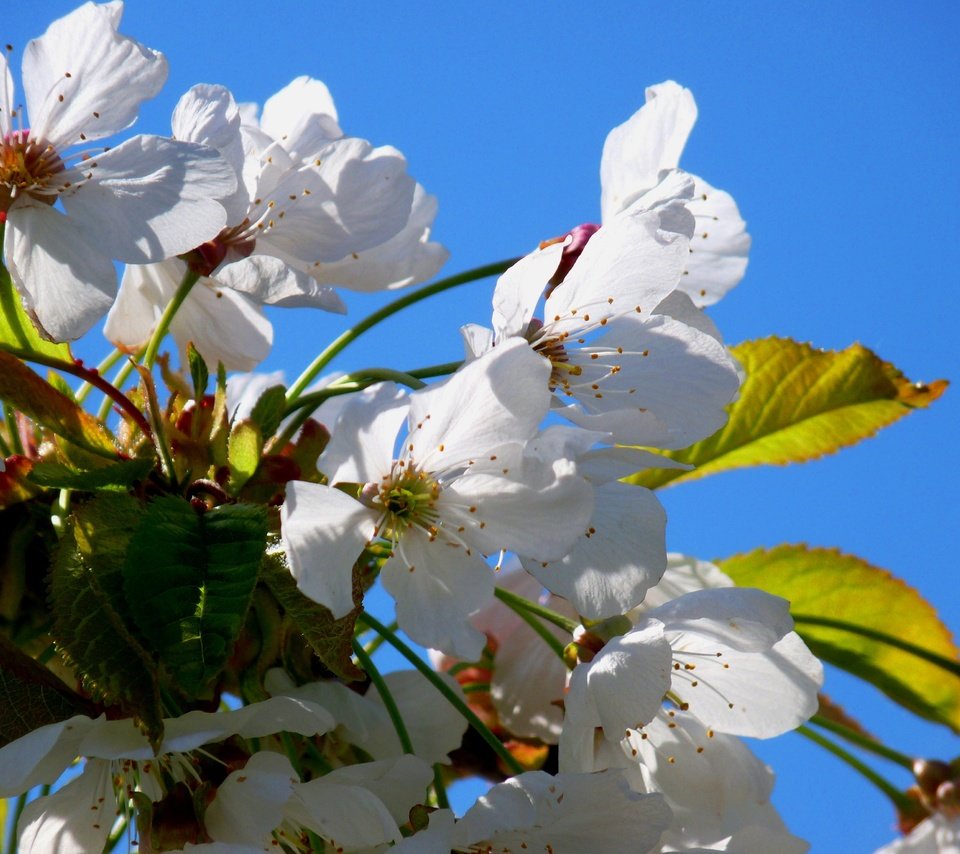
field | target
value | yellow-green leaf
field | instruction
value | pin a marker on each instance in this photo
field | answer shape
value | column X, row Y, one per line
column 243, row 452
column 28, row 392
column 851, row 614
column 17, row 331
column 797, row 404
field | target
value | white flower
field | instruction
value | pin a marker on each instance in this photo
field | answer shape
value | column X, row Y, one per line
column 459, row 489
column 310, row 202
column 119, row 760
column 144, row 200
column 728, row 656
column 632, row 357
column 935, row 835
column 634, row 156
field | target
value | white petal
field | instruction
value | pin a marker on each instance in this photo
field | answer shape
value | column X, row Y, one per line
column 436, row 839
column 349, row 816
column 361, row 447
column 267, row 717
column 76, row 819
column 65, row 281
column 81, row 76
column 301, row 116
column 209, row 115
column 41, row 755
column 405, row 259
column 498, row 398
column 520, row 288
column 271, row 281
column 151, row 198
column 145, row 290
column 610, row 568
column 7, row 92
column 437, row 587
column 249, row 803
column 719, row 248
column 629, row 265
column 651, row 140
column 476, row 340
column 324, row 530
column 566, row 814
column 399, row 783
column 684, row 575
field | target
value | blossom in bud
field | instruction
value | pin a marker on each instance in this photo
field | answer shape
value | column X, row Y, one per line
column 71, row 212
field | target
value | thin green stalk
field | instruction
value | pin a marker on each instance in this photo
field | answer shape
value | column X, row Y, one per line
column 932, row 657
column 190, row 278
column 373, row 645
column 864, row 741
column 451, row 697
column 342, row 341
column 86, row 387
column 11, row 419
column 292, row 753
column 119, row 832
column 517, row 603
column 439, row 790
column 170, row 706
column 899, row 799
column 389, row 703
column 4, row 447
column 12, row 841
column 536, row 625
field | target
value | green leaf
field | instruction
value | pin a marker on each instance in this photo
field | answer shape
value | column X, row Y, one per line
column 189, row 577
column 17, row 331
column 329, row 638
column 34, row 397
column 91, row 619
column 31, row 696
column 268, row 411
column 198, row 372
column 243, row 453
column 826, row 585
column 797, row 404
column 112, row 478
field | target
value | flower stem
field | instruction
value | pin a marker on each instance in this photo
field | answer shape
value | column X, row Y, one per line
column 10, row 417
column 842, row 625
column 899, row 799
column 86, row 386
column 342, row 341
column 389, row 703
column 12, row 840
column 190, row 278
column 534, row 624
column 449, row 694
column 439, row 789
column 864, row 741
column 518, row 603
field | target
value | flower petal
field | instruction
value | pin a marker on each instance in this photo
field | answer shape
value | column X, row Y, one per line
column 520, row 288
column 83, row 77
column 151, row 198
column 269, row 280
column 324, row 530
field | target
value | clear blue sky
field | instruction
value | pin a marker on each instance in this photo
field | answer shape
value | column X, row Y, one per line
column 834, row 125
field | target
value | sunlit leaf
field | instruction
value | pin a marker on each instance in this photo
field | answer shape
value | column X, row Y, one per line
column 243, row 452
column 797, row 404
column 17, row 331
column 29, row 393
column 199, row 373
column 189, row 576
column 268, row 410
column 824, row 584
column 111, row 478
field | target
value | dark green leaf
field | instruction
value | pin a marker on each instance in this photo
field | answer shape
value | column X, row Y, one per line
column 111, row 478
column 198, row 372
column 189, row 577
column 268, row 411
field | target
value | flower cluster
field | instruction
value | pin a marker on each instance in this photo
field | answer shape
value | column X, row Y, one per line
column 201, row 606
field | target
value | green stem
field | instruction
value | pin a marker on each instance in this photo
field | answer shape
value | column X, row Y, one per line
column 534, row 624
column 377, row 641
column 12, row 839
column 518, row 603
column 190, row 278
column 11, row 418
column 389, row 703
column 932, row 657
column 439, row 790
column 346, row 338
column 86, row 386
column 899, row 799
column 117, row 835
column 864, row 741
column 448, row 693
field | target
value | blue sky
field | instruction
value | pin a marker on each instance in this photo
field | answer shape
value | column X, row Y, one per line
column 834, row 125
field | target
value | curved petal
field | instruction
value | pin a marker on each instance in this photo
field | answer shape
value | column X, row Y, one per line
column 65, row 281
column 520, row 288
column 271, row 281
column 7, row 92
column 324, row 530
column 151, row 198
column 145, row 290
column 41, row 755
column 83, row 77
column 652, row 139
column 437, row 587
